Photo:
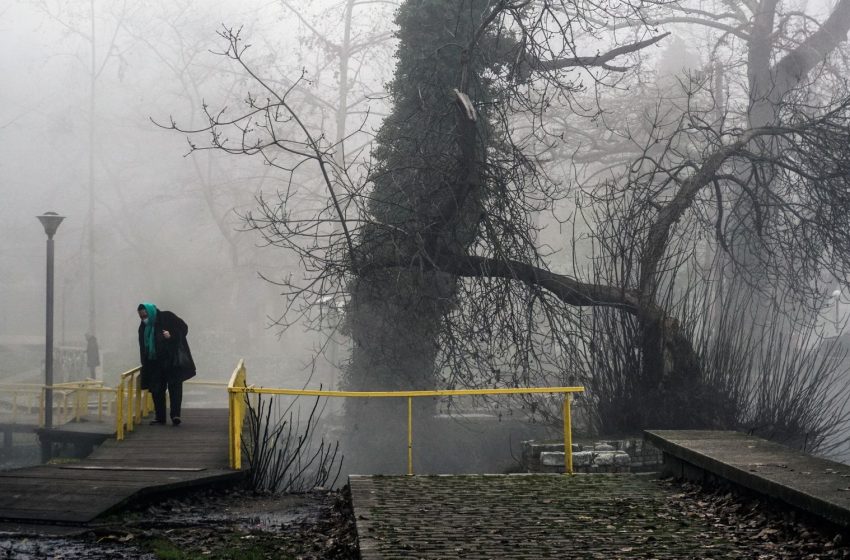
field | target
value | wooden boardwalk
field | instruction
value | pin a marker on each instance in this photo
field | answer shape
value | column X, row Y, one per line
column 151, row 460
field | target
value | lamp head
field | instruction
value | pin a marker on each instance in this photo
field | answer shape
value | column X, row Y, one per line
column 50, row 221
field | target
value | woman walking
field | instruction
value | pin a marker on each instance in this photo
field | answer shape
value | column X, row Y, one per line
column 166, row 359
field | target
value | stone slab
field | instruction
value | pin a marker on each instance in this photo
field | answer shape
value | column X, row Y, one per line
column 818, row 486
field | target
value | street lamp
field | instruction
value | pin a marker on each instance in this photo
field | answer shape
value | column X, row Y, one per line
column 837, row 296
column 50, row 221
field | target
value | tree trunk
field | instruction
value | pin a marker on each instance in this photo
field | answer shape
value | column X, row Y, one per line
column 425, row 200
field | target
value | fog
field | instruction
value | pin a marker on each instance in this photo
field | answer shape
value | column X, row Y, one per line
column 165, row 224
column 98, row 97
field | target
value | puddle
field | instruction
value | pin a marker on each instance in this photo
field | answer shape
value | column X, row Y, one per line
column 39, row 549
column 257, row 513
column 267, row 521
column 202, row 522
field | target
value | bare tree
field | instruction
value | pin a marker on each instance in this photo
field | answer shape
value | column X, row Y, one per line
column 444, row 231
column 793, row 65
column 432, row 183
column 355, row 60
column 82, row 24
column 790, row 52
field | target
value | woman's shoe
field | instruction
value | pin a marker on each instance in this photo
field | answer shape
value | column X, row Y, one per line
column 176, row 420
column 156, row 422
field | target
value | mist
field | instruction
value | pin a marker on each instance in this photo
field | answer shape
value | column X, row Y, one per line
column 243, row 167
column 166, row 225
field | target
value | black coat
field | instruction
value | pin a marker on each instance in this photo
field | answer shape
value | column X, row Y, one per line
column 173, row 358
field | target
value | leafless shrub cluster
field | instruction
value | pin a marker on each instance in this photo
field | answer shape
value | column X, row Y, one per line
column 438, row 258
column 281, row 451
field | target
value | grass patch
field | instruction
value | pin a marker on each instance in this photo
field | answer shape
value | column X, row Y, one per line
column 235, row 547
column 164, row 549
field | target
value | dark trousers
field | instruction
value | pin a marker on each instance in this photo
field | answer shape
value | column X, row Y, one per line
column 175, row 397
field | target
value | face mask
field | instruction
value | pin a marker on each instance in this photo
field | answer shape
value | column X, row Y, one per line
column 145, row 320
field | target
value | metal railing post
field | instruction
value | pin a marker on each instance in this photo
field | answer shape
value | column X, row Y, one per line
column 231, row 423
column 236, row 405
column 238, row 399
column 230, row 428
column 410, row 436
column 130, row 413
column 568, row 435
column 119, row 411
column 137, row 382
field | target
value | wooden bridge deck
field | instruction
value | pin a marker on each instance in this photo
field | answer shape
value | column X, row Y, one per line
column 152, row 459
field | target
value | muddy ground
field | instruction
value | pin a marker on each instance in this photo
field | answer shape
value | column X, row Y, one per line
column 211, row 524
column 238, row 524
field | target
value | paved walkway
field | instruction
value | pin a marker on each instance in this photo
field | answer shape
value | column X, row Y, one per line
column 536, row 516
column 151, row 459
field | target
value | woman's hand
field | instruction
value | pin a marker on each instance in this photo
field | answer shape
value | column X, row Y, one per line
column 166, row 334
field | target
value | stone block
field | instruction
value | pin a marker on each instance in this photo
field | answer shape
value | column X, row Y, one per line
column 603, row 459
column 611, row 459
column 532, row 448
column 552, row 458
column 582, row 458
column 622, row 459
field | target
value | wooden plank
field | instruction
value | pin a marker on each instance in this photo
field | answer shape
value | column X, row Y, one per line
column 159, row 447
column 163, row 458
column 61, row 501
column 160, row 459
column 97, row 489
column 66, row 515
column 122, row 476
column 118, row 468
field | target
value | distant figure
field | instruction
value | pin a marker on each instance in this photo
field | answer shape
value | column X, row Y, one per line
column 92, row 354
column 166, row 359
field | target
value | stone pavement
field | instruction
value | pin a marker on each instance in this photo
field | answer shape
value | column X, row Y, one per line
column 534, row 516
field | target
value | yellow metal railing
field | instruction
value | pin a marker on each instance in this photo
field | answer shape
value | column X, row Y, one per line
column 75, row 397
column 238, row 389
column 238, row 406
column 128, row 401
column 25, row 398
column 132, row 402
column 71, row 400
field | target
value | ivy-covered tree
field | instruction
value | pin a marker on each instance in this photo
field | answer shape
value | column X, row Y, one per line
column 445, row 176
column 437, row 253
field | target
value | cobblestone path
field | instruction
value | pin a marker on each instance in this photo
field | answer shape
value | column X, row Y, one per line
column 543, row 516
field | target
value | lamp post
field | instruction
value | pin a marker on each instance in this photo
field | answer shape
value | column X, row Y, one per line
column 50, row 221
column 836, row 295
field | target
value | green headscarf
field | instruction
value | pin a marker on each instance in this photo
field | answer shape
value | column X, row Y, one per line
column 149, row 335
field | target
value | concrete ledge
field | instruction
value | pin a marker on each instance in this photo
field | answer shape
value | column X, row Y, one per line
column 818, row 486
